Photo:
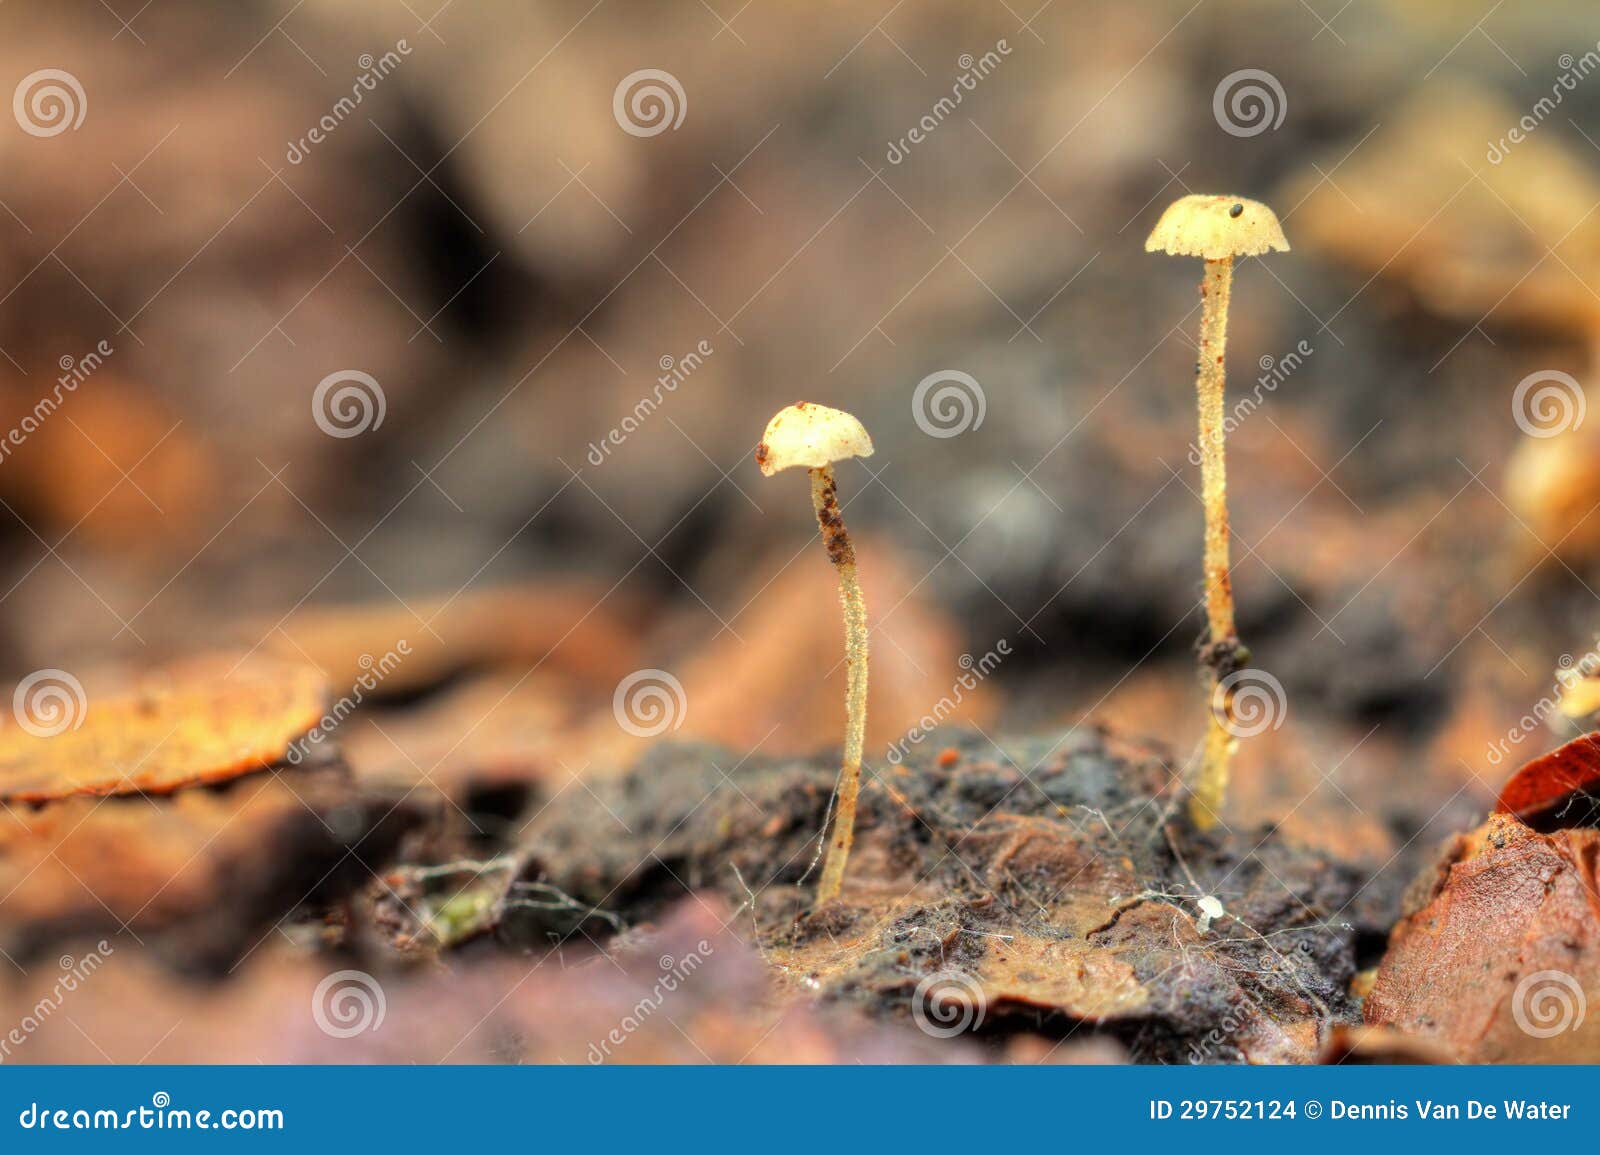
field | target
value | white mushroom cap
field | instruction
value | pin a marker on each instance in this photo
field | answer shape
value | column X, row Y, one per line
column 810, row 435
column 1216, row 227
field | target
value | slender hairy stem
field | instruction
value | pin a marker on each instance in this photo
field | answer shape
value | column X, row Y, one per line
column 1211, row 788
column 1215, row 290
column 1223, row 654
column 843, row 555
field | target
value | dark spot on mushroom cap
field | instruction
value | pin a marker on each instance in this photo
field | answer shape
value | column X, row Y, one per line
column 761, row 453
column 1236, row 211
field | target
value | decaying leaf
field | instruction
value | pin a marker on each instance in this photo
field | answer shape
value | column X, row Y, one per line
column 1554, row 781
column 1062, row 974
column 495, row 733
column 1498, row 957
column 200, row 723
column 568, row 627
column 692, row 991
column 1380, row 1046
column 1466, row 240
column 203, row 872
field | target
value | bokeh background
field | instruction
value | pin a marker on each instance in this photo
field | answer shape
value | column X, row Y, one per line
column 502, row 251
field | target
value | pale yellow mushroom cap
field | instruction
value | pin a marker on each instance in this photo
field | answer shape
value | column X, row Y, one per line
column 810, row 435
column 1216, row 227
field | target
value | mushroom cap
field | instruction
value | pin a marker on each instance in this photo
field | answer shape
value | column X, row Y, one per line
column 1216, row 227
column 810, row 435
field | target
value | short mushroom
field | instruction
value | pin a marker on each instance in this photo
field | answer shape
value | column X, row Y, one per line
column 814, row 436
column 1216, row 229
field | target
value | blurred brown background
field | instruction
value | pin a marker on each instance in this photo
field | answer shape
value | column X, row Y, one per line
column 512, row 258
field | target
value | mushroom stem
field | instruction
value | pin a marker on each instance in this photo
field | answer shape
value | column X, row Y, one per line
column 1216, row 229
column 1223, row 654
column 1210, row 789
column 1215, row 289
column 836, row 539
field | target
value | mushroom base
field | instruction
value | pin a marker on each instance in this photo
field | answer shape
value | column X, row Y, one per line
column 1066, row 902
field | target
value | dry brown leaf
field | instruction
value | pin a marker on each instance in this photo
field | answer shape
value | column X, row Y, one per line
column 278, row 1007
column 565, row 626
column 496, row 730
column 209, row 870
column 1499, row 953
column 1063, row 974
column 1553, row 780
column 197, row 724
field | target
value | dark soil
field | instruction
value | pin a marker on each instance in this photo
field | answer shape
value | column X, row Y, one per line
column 1056, row 876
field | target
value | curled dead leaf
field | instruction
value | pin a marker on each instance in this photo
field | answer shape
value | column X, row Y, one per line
column 1553, row 779
column 1495, row 960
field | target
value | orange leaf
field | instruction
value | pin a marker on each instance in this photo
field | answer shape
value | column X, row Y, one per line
column 199, row 725
column 1552, row 778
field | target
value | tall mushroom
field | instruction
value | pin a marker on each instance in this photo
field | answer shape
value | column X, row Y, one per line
column 815, row 437
column 1216, row 229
